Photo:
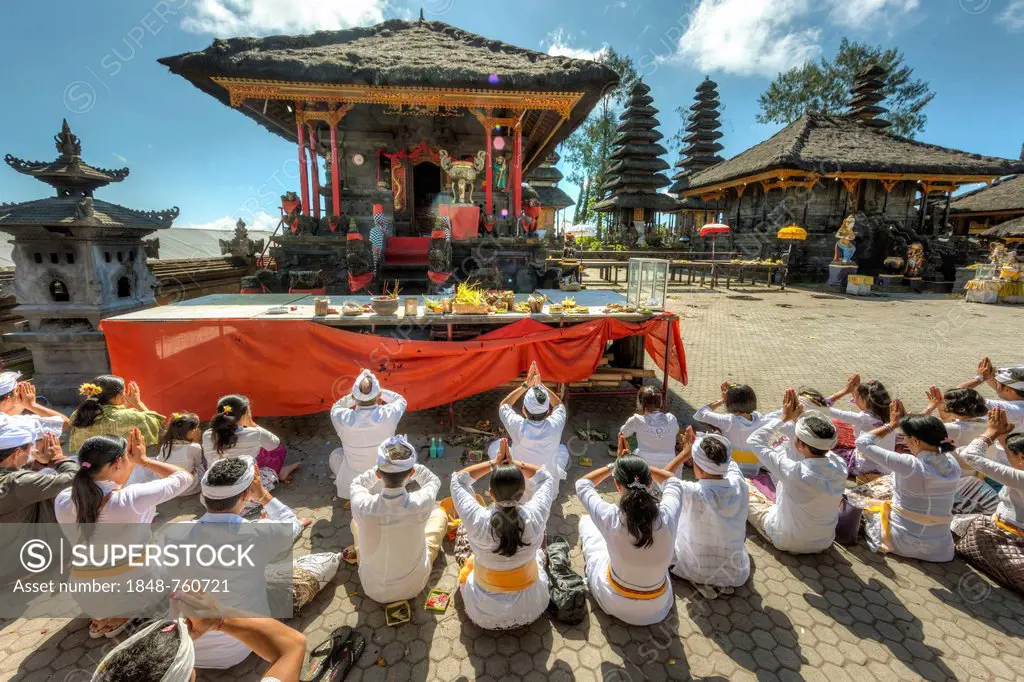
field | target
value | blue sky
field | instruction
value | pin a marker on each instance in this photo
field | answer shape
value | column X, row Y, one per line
column 95, row 63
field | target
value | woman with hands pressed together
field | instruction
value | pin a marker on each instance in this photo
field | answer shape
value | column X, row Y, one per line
column 504, row 583
column 915, row 523
column 629, row 546
column 110, row 407
column 99, row 495
column 995, row 543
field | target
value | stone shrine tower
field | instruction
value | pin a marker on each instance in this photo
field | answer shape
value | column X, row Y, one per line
column 77, row 260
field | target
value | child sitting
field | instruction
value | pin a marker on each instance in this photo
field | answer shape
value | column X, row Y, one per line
column 743, row 419
column 655, row 431
column 710, row 550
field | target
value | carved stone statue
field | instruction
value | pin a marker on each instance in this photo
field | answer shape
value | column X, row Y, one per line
column 241, row 249
column 462, row 174
column 845, row 246
column 151, row 247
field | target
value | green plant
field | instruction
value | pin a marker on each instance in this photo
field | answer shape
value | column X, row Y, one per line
column 588, row 243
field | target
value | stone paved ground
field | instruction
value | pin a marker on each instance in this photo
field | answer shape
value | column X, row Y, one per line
column 845, row 614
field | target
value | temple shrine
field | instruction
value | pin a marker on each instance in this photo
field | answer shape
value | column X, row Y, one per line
column 858, row 192
column 420, row 129
column 79, row 260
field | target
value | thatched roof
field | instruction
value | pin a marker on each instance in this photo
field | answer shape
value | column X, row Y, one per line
column 829, row 144
column 1002, row 196
column 395, row 53
column 1011, row 228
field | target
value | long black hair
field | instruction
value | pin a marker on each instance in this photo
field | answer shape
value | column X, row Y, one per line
column 929, row 430
column 180, row 425
column 965, row 402
column 873, row 393
column 507, row 486
column 95, row 453
column 224, row 424
column 639, row 502
column 147, row 660
column 92, row 407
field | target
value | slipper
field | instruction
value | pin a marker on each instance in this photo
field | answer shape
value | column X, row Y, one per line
column 323, row 657
column 106, row 630
column 95, row 632
column 351, row 651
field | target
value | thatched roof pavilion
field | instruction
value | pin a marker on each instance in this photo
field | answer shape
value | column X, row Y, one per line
column 398, row 63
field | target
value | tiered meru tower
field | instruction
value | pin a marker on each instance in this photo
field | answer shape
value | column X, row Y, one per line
column 635, row 174
column 544, row 179
column 701, row 144
column 77, row 260
column 865, row 96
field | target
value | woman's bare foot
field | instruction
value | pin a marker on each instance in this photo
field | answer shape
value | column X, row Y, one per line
column 286, row 471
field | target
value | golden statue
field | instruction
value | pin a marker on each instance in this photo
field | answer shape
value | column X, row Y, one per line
column 845, row 247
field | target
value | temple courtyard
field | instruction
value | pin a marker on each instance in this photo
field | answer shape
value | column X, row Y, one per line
column 846, row 613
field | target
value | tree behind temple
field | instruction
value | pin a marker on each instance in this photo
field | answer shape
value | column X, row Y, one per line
column 824, row 87
column 586, row 151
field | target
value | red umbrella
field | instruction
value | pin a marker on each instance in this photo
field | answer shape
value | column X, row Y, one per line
column 713, row 230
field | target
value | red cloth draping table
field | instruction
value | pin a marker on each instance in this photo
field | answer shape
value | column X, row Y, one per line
column 292, row 368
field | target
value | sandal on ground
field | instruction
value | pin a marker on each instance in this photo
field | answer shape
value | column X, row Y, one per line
column 350, row 652
column 706, row 591
column 103, row 627
column 323, row 657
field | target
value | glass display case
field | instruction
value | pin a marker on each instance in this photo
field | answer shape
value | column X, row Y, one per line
column 647, row 285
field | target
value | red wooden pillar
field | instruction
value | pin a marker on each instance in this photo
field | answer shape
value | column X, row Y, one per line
column 489, row 172
column 302, row 161
column 517, row 172
column 335, row 172
column 315, row 178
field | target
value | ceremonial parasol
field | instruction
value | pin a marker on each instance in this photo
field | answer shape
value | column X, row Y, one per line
column 713, row 230
column 791, row 233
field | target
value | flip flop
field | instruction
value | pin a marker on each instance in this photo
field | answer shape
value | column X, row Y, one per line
column 351, row 651
column 325, row 654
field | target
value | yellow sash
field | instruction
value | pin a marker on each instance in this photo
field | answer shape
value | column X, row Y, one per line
column 1007, row 527
column 630, row 593
column 744, row 457
column 514, row 580
column 885, row 510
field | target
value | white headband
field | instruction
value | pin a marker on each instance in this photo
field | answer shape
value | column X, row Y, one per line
column 224, row 492
column 807, row 437
column 705, row 463
column 184, row 660
column 9, row 382
column 534, row 405
column 14, row 434
column 374, row 391
column 1003, row 375
column 395, row 466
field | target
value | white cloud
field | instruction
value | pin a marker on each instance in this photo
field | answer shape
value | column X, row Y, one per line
column 259, row 221
column 862, row 14
column 558, row 46
column 748, row 37
column 1013, row 16
column 228, row 18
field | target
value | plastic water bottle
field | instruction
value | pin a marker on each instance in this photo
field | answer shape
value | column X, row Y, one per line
column 440, row 448
column 433, row 447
